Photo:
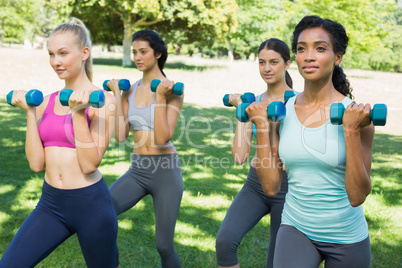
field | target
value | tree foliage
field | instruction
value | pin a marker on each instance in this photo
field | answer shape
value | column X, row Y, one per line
column 216, row 26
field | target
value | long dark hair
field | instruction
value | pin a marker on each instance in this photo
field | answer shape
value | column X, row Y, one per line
column 280, row 47
column 156, row 43
column 339, row 41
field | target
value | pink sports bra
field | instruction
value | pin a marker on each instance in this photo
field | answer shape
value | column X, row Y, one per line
column 57, row 130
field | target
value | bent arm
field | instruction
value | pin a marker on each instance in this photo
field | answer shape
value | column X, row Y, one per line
column 241, row 145
column 33, row 145
column 268, row 164
column 358, row 146
column 167, row 111
column 92, row 142
column 122, row 125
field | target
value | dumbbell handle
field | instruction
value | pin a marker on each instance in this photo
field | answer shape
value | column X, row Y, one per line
column 96, row 98
column 276, row 111
column 124, row 84
column 247, row 97
column 33, row 97
column 177, row 87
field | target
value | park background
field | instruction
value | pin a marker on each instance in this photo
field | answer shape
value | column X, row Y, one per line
column 212, row 50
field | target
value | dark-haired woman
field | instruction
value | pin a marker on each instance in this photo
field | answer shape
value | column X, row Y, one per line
column 328, row 166
column 251, row 203
column 155, row 167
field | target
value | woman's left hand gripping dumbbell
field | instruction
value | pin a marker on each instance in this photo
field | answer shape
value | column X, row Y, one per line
column 165, row 88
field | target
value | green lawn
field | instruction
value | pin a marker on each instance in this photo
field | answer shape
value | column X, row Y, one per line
column 211, row 181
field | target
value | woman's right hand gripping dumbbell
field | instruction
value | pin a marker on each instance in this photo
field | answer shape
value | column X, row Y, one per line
column 235, row 99
column 257, row 113
column 26, row 100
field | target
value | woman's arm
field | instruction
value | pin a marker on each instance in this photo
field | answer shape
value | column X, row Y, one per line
column 167, row 111
column 359, row 137
column 268, row 163
column 92, row 142
column 33, row 145
column 241, row 145
column 122, row 125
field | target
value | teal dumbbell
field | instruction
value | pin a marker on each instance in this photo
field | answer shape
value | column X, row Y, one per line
column 378, row 115
column 33, row 97
column 96, row 99
column 276, row 111
column 247, row 97
column 289, row 94
column 124, row 84
column 178, row 87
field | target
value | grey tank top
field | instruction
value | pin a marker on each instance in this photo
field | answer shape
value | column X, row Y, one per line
column 140, row 118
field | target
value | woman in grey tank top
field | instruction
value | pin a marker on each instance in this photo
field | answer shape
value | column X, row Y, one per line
column 155, row 167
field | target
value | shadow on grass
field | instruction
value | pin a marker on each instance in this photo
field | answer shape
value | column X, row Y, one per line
column 386, row 169
column 177, row 65
column 203, row 139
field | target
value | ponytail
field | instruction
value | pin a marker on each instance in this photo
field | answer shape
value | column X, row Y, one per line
column 341, row 83
column 288, row 79
column 77, row 27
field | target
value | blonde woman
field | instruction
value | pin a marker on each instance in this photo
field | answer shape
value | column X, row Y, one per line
column 69, row 142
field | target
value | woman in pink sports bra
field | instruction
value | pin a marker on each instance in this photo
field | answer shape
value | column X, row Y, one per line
column 155, row 167
column 69, row 142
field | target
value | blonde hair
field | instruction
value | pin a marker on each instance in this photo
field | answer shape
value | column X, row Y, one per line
column 77, row 27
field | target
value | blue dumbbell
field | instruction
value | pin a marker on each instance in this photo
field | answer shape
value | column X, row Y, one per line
column 289, row 94
column 33, row 97
column 177, row 87
column 378, row 114
column 96, row 99
column 247, row 97
column 276, row 111
column 124, row 84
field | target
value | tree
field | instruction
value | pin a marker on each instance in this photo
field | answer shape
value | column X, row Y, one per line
column 188, row 16
column 12, row 19
column 258, row 20
column 199, row 24
column 365, row 22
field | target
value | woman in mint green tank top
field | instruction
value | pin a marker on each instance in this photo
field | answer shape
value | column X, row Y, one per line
column 328, row 166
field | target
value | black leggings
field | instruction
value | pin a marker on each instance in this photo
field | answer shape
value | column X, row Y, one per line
column 160, row 176
column 294, row 249
column 59, row 214
column 247, row 209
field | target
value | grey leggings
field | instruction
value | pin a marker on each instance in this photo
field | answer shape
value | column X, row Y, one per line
column 160, row 176
column 247, row 209
column 294, row 249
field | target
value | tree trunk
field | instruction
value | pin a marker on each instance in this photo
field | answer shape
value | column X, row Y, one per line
column 177, row 48
column 2, row 33
column 127, row 41
column 230, row 52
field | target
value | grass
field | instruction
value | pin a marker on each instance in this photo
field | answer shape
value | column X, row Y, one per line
column 211, row 181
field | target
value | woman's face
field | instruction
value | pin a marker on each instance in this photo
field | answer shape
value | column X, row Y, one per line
column 144, row 57
column 272, row 66
column 315, row 55
column 66, row 56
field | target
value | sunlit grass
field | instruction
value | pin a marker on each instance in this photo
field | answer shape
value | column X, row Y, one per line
column 210, row 185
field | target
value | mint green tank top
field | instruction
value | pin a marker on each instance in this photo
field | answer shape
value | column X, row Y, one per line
column 317, row 203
